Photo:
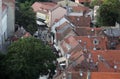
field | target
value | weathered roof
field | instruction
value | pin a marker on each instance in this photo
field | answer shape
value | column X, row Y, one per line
column 108, row 60
column 105, row 75
column 63, row 30
column 43, row 6
column 92, row 42
column 112, row 32
column 80, row 8
column 85, row 31
column 80, row 21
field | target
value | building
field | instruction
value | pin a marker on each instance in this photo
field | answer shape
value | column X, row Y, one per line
column 11, row 16
column 65, row 3
column 47, row 12
column 7, row 8
column 82, row 1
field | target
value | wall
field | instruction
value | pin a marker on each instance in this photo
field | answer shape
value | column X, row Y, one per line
column 57, row 14
column 41, row 15
column 3, row 32
column 11, row 18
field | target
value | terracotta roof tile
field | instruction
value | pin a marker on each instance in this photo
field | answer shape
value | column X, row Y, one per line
column 79, row 8
column 89, row 42
column 76, row 55
column 107, row 59
column 105, row 75
column 80, row 21
column 85, row 31
column 41, row 6
column 118, row 47
column 69, row 42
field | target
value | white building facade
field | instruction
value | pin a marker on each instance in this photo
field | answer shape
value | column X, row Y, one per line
column 3, row 24
column 6, row 21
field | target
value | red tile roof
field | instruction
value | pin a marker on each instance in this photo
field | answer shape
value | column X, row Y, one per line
column 118, row 47
column 104, row 75
column 107, row 60
column 80, row 8
column 76, row 55
column 70, row 41
column 85, row 31
column 80, row 21
column 88, row 42
column 41, row 6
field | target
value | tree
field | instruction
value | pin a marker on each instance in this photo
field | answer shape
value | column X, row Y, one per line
column 109, row 12
column 95, row 2
column 26, row 17
column 2, row 67
column 28, row 58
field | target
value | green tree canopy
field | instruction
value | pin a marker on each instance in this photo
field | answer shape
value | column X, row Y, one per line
column 109, row 12
column 26, row 17
column 95, row 2
column 28, row 58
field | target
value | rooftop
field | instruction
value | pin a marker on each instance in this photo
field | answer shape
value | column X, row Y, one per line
column 63, row 30
column 85, row 31
column 92, row 42
column 79, row 9
column 80, row 21
column 112, row 32
column 108, row 60
column 43, row 6
column 105, row 75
